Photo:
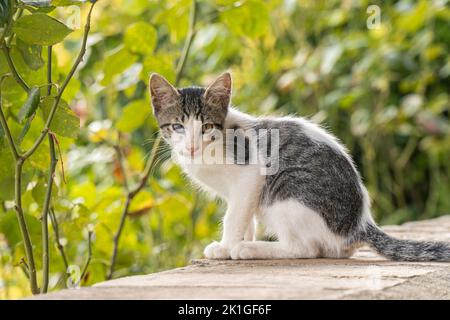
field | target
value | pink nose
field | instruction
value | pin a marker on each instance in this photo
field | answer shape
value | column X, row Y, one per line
column 192, row 150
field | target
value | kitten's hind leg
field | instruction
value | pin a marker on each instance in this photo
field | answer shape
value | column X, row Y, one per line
column 253, row 250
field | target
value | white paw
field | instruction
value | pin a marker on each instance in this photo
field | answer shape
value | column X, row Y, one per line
column 244, row 251
column 216, row 251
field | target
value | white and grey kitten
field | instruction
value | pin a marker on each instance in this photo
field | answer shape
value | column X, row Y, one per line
column 314, row 203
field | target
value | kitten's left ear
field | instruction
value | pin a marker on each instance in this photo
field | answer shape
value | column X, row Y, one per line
column 218, row 93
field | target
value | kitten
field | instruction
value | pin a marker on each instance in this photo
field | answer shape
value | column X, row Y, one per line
column 312, row 201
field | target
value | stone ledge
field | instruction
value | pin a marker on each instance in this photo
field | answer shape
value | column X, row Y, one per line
column 364, row 276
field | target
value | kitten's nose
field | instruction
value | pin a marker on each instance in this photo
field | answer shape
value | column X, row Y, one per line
column 192, row 150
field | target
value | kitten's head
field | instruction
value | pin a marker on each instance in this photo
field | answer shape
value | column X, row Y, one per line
column 190, row 118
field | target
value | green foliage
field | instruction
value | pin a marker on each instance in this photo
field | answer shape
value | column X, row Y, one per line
column 140, row 37
column 31, row 54
column 30, row 105
column 383, row 91
column 134, row 115
column 66, row 123
column 4, row 12
column 30, row 29
column 249, row 18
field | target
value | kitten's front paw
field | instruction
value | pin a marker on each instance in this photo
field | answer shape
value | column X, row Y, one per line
column 244, row 251
column 216, row 251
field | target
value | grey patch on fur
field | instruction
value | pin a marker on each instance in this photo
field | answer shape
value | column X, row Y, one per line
column 405, row 250
column 315, row 174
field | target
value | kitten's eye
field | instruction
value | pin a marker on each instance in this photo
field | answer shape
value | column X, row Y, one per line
column 178, row 128
column 207, row 127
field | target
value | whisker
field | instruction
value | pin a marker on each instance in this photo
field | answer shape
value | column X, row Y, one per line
column 160, row 160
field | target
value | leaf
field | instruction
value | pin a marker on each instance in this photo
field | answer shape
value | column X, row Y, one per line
column 133, row 116
column 44, row 6
column 250, row 18
column 159, row 63
column 414, row 19
column 116, row 64
column 176, row 18
column 40, row 190
column 4, row 12
column 31, row 104
column 65, row 122
column 140, row 37
column 2, row 134
column 6, row 172
column 37, row 3
column 41, row 29
column 136, row 7
column 64, row 3
column 31, row 54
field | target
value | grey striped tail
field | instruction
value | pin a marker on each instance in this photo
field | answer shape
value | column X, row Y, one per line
column 405, row 250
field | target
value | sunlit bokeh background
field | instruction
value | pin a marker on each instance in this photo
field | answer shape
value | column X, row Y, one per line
column 381, row 85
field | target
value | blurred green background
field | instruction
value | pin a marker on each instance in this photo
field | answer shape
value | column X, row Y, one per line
column 382, row 89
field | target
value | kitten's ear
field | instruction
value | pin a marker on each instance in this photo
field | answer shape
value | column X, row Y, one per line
column 163, row 94
column 218, row 93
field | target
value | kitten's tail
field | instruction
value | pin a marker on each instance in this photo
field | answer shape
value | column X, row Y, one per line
column 405, row 250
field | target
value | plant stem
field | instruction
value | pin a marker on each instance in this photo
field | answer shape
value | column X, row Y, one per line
column 4, row 123
column 49, row 70
column 18, row 200
column 88, row 261
column 148, row 167
column 20, row 159
column 58, row 240
column 44, row 217
column 61, row 90
column 48, row 194
column 9, row 23
column 130, row 196
column 121, row 161
column 23, row 226
column 13, row 69
column 187, row 45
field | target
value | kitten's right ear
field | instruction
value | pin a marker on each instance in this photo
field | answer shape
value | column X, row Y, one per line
column 163, row 94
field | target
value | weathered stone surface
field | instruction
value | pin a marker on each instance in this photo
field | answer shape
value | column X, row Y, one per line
column 365, row 276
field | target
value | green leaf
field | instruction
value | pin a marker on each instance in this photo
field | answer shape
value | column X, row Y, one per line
column 2, row 134
column 225, row 2
column 136, row 7
column 117, row 63
column 133, row 116
column 31, row 54
column 44, row 6
column 64, row 3
column 176, row 19
column 40, row 190
column 6, row 172
column 140, row 37
column 413, row 20
column 161, row 63
column 30, row 104
column 37, row 3
column 41, row 29
column 250, row 18
column 65, row 122
column 4, row 12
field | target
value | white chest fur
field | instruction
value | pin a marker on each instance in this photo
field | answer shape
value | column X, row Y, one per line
column 225, row 180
